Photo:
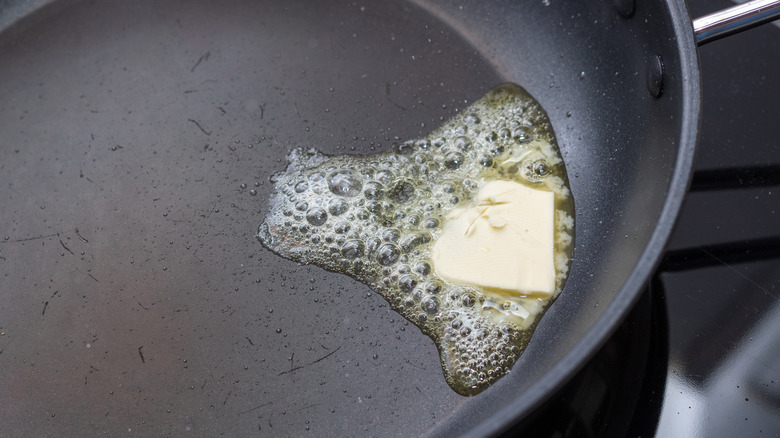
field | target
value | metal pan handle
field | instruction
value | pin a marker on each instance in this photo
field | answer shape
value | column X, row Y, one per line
column 734, row 19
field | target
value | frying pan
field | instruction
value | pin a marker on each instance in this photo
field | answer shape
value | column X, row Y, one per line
column 137, row 143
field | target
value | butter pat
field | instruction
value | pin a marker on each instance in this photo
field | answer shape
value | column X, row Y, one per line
column 502, row 241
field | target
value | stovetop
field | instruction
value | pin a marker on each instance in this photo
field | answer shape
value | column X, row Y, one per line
column 720, row 277
column 700, row 354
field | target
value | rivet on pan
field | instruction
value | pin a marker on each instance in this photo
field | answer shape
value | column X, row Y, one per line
column 655, row 76
column 625, row 8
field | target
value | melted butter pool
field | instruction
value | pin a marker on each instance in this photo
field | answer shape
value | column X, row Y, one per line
column 376, row 217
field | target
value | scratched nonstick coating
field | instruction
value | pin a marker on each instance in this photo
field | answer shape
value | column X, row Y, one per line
column 136, row 144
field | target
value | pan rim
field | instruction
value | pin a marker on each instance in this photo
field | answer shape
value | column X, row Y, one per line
column 632, row 289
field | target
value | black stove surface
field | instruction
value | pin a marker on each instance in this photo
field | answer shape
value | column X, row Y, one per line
column 700, row 354
column 720, row 276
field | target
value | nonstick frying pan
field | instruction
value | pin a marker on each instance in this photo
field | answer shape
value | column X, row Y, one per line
column 137, row 143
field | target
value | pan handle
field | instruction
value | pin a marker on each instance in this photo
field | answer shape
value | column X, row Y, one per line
column 734, row 19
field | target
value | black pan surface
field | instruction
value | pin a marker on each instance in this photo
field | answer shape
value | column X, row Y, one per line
column 137, row 143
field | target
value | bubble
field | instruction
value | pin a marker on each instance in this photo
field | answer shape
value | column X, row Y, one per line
column 374, row 207
column 384, row 177
column 496, row 150
column 422, row 159
column 521, row 135
column 406, row 148
column 535, row 171
column 373, row 190
column 402, row 192
column 431, row 223
column 453, row 160
column 422, row 268
column 407, row 283
column 344, row 182
column 342, row 227
column 372, row 244
column 485, row 160
column 388, row 254
column 301, row 187
column 463, row 143
column 353, row 249
column 316, row 216
column 367, row 172
column 430, row 305
column 391, row 235
column 338, row 206
column 433, row 287
column 413, row 240
column 301, row 205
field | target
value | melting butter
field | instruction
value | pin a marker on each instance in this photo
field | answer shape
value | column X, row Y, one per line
column 391, row 220
column 502, row 241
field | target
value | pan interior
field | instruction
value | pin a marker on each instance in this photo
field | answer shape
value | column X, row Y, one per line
column 138, row 140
